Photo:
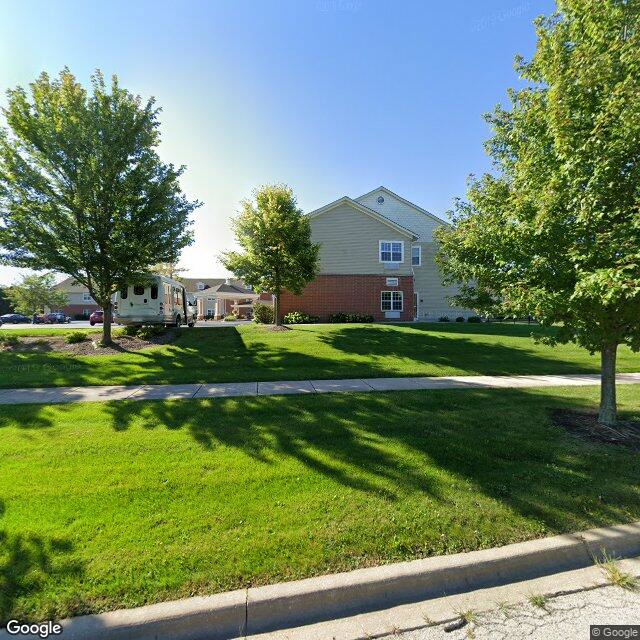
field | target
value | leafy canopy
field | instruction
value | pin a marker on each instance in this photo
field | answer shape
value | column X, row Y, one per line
column 275, row 237
column 35, row 292
column 555, row 232
column 82, row 188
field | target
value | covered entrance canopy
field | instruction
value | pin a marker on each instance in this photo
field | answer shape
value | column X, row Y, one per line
column 228, row 298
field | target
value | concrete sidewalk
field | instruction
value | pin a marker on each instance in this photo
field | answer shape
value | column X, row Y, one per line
column 49, row 395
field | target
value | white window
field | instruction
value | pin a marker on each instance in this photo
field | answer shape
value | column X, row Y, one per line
column 416, row 255
column 391, row 300
column 86, row 297
column 392, row 282
column 391, row 251
column 200, row 286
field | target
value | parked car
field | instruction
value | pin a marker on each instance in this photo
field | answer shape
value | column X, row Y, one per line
column 14, row 318
column 97, row 317
column 38, row 318
column 57, row 317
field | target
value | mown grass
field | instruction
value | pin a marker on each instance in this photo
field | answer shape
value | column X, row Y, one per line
column 250, row 352
column 120, row 504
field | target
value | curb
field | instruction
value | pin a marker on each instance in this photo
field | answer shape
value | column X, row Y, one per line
column 261, row 609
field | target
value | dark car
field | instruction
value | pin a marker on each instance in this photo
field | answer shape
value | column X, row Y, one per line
column 97, row 317
column 57, row 317
column 14, row 318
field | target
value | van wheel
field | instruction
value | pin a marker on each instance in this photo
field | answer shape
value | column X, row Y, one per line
column 191, row 325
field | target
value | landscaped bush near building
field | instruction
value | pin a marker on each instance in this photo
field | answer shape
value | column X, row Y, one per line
column 474, row 319
column 350, row 317
column 230, row 317
column 444, row 319
column 297, row 317
column 460, row 319
column 262, row 313
column 75, row 337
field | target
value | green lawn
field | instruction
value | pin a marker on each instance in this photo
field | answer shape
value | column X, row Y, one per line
column 121, row 504
column 253, row 352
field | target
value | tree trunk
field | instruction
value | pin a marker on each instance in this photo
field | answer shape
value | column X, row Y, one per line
column 276, row 309
column 608, row 412
column 106, row 324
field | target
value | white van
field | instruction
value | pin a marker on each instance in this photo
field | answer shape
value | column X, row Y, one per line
column 159, row 300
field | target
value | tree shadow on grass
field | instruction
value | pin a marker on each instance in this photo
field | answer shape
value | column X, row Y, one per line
column 397, row 444
column 428, row 353
column 268, row 428
column 227, row 355
column 27, row 563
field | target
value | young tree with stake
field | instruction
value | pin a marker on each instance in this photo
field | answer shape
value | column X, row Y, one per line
column 275, row 237
column 82, row 189
column 556, row 231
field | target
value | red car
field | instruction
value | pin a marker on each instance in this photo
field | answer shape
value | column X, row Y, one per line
column 97, row 317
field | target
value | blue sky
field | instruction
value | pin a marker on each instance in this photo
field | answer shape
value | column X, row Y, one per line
column 333, row 97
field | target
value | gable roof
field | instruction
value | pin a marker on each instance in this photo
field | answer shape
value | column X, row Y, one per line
column 191, row 284
column 367, row 211
column 404, row 201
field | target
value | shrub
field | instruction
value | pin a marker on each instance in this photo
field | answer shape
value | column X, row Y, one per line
column 230, row 318
column 150, row 331
column 263, row 313
column 80, row 316
column 474, row 319
column 460, row 319
column 297, row 317
column 350, row 317
column 75, row 337
column 130, row 330
column 444, row 319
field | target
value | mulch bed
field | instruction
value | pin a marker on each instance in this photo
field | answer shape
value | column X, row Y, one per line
column 51, row 344
column 585, row 425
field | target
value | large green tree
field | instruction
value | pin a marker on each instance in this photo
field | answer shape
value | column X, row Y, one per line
column 555, row 230
column 82, row 189
column 277, row 251
column 34, row 293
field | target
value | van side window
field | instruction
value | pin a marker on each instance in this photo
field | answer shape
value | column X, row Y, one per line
column 154, row 291
column 124, row 293
column 138, row 290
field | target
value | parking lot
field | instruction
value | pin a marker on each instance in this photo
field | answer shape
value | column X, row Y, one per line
column 84, row 324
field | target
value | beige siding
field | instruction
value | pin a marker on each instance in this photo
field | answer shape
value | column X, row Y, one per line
column 401, row 213
column 349, row 242
column 432, row 296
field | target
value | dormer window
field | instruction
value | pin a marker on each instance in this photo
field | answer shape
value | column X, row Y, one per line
column 391, row 251
column 200, row 286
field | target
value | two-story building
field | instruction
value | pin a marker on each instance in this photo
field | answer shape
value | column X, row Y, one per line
column 377, row 257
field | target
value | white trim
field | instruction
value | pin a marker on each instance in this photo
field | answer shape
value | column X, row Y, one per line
column 363, row 209
column 392, row 282
column 419, row 248
column 391, row 242
column 394, row 295
column 407, row 202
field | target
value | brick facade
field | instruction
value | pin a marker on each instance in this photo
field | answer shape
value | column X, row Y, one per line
column 329, row 294
column 74, row 310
